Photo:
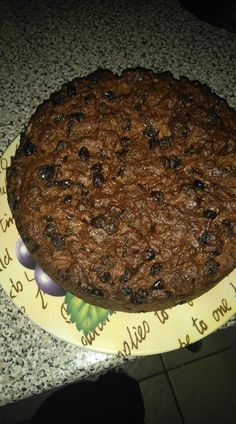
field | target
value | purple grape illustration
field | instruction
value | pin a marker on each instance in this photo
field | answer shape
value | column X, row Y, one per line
column 46, row 284
column 85, row 316
column 23, row 255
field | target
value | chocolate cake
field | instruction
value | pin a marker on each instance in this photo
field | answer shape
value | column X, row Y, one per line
column 123, row 188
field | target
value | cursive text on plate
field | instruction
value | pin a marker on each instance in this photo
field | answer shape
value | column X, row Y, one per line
column 5, row 260
column 135, row 336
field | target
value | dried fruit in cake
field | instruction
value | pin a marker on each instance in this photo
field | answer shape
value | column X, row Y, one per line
column 123, row 189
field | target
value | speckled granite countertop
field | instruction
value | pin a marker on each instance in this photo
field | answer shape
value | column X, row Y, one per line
column 45, row 43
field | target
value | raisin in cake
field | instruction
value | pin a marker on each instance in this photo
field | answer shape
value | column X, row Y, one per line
column 123, row 188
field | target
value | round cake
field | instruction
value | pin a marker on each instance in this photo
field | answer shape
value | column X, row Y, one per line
column 123, row 188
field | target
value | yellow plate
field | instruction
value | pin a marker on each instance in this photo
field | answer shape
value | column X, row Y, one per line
column 122, row 334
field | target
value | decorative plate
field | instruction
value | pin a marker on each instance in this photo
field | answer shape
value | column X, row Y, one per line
column 118, row 333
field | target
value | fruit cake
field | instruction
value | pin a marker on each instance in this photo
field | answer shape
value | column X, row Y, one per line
column 123, row 188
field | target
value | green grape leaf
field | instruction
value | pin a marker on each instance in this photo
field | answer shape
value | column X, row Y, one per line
column 85, row 316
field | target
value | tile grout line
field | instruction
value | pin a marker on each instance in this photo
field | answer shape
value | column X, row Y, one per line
column 156, row 374
column 195, row 360
column 172, row 391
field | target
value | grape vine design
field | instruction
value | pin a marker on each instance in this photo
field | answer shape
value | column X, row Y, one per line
column 86, row 317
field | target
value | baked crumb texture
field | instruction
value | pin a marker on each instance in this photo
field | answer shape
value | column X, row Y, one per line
column 124, row 189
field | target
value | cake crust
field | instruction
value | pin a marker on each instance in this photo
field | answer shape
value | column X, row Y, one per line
column 123, row 188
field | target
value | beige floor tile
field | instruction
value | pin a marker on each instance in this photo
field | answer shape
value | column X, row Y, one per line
column 206, row 389
column 160, row 406
column 230, row 335
column 144, row 367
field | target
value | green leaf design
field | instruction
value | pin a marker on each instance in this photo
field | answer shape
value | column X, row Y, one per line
column 85, row 316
